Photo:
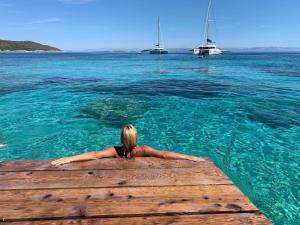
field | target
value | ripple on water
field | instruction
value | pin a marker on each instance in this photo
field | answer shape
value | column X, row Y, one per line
column 273, row 113
column 69, row 81
column 12, row 88
column 193, row 89
column 48, row 82
column 182, row 88
column 282, row 70
column 156, row 72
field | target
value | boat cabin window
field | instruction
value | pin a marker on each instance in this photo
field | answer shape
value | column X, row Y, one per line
column 208, row 47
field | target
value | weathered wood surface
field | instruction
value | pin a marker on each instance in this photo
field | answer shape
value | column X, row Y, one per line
column 114, row 191
column 105, row 164
column 208, row 219
column 122, row 201
column 110, row 178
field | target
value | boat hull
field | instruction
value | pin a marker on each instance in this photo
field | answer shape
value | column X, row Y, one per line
column 155, row 51
column 200, row 51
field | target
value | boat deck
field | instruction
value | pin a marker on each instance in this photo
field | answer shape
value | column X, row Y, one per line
column 116, row 191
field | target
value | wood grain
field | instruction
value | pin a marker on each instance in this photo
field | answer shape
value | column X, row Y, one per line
column 104, row 164
column 116, row 191
column 214, row 219
column 105, row 202
column 110, row 178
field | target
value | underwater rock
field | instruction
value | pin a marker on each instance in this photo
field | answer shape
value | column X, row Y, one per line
column 17, row 88
column 51, row 81
column 183, row 88
column 156, row 72
column 274, row 114
column 209, row 70
column 163, row 87
column 69, row 81
column 117, row 111
column 288, row 70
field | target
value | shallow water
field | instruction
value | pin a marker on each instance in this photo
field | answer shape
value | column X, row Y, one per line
column 240, row 110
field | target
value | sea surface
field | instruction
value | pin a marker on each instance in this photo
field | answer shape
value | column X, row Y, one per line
column 242, row 110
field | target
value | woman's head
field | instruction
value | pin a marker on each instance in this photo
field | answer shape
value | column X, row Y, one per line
column 129, row 137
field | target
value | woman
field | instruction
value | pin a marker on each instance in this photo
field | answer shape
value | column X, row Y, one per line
column 129, row 149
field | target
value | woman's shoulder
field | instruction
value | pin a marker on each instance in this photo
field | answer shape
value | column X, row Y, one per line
column 142, row 147
column 138, row 151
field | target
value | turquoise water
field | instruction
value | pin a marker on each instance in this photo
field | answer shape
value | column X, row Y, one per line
column 241, row 110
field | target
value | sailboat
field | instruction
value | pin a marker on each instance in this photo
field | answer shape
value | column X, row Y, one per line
column 209, row 47
column 158, row 49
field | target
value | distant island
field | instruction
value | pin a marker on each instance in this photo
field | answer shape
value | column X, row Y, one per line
column 7, row 46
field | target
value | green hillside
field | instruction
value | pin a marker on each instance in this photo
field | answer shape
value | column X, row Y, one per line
column 6, row 45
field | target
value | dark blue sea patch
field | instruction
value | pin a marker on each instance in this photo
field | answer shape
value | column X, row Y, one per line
column 116, row 111
column 50, row 81
column 69, row 81
column 156, row 72
column 282, row 70
column 8, row 89
column 193, row 89
column 163, row 87
column 210, row 70
column 275, row 114
column 182, row 88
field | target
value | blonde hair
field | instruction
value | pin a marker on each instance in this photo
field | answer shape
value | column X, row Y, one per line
column 129, row 138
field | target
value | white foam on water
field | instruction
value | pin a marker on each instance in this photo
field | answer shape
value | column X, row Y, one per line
column 3, row 145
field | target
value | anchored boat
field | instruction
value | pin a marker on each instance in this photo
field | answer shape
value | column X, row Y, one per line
column 209, row 47
column 158, row 49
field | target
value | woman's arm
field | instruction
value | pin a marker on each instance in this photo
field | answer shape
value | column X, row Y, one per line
column 86, row 156
column 151, row 152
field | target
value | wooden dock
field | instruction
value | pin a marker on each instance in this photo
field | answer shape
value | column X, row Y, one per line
column 125, row 192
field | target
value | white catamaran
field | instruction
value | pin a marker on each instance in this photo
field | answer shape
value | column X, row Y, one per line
column 158, row 49
column 209, row 47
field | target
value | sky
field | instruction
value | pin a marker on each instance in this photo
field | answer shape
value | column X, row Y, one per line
column 124, row 24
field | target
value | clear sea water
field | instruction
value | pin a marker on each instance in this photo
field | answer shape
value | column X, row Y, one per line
column 242, row 110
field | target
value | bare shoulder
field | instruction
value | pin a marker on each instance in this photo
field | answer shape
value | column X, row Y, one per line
column 139, row 151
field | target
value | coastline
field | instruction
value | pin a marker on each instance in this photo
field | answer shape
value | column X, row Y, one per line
column 26, row 51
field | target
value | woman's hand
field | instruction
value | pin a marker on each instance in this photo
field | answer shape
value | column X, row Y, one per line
column 60, row 161
column 196, row 159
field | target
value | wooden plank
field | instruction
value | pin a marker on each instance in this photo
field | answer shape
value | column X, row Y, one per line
column 215, row 219
column 104, row 164
column 111, row 178
column 110, row 202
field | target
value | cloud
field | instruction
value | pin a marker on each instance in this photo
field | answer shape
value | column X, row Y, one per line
column 42, row 21
column 76, row 1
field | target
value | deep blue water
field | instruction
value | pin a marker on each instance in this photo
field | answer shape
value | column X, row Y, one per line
column 242, row 110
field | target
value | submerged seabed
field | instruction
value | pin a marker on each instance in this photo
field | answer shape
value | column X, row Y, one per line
column 241, row 110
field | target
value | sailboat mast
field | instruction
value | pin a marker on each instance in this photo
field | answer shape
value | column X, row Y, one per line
column 158, row 31
column 206, row 28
